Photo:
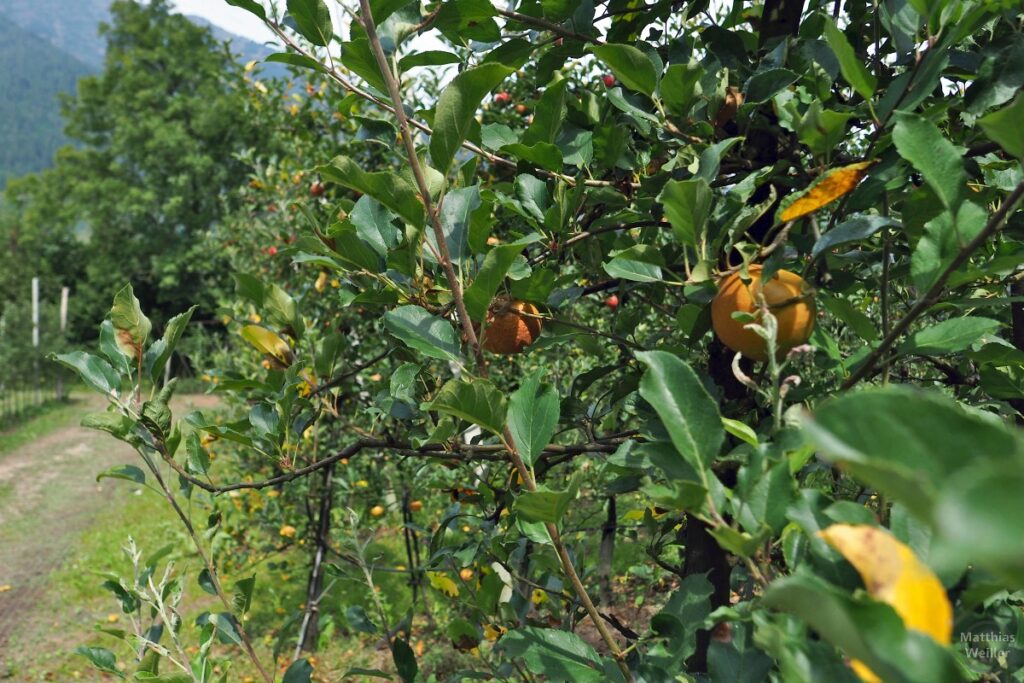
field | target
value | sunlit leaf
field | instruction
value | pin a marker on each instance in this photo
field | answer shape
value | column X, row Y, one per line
column 893, row 574
column 826, row 189
column 443, row 583
column 266, row 341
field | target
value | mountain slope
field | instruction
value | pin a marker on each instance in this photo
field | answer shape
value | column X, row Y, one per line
column 45, row 47
column 32, row 74
column 70, row 26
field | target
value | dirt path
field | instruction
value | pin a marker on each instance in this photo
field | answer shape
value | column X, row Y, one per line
column 48, row 496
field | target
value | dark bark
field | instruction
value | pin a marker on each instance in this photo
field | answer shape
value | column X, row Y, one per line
column 309, row 629
column 779, row 18
column 1017, row 335
column 606, row 554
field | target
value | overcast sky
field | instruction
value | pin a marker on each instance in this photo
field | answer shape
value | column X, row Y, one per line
column 230, row 18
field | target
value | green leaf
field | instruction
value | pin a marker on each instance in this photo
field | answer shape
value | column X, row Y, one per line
column 533, row 413
column 113, row 423
column 543, row 505
column 243, row 596
column 354, row 251
column 683, row 615
column 389, row 189
column 920, row 142
column 635, row 270
column 977, row 520
column 548, row 115
column 357, row 56
column 301, row 671
column 456, row 212
column 687, row 411
column 126, row 472
column 949, row 336
column 822, row 129
column 727, row 663
column 405, row 660
column 456, row 108
column 907, row 444
column 687, row 207
column 853, row 70
column 680, row 87
column 102, row 658
column 281, row 310
column 358, row 619
column 131, row 326
column 532, row 193
column 250, row 6
column 863, row 629
column 943, row 238
column 542, row 154
column 851, row 316
column 423, row 331
column 854, row 229
column 375, row 224
column 313, row 20
column 740, row 430
column 1004, row 127
column 477, row 401
column 462, row 20
column 94, row 371
column 765, row 85
column 293, row 59
column 492, row 273
column 555, row 655
column 205, row 581
column 160, row 352
column 112, row 352
column 632, row 67
column 427, row 58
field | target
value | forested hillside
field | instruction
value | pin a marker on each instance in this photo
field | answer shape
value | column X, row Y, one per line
column 45, row 47
column 68, row 26
column 33, row 73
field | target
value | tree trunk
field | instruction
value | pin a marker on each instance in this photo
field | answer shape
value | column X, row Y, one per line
column 606, row 554
column 1017, row 334
column 309, row 630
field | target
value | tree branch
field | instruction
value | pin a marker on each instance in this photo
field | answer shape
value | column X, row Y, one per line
column 995, row 224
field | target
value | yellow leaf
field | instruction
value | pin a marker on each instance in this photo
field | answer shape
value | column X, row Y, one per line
column 492, row 632
column 893, row 574
column 827, row 188
column 443, row 583
column 266, row 341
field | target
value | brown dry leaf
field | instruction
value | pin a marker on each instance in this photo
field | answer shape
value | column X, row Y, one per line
column 826, row 189
column 731, row 105
column 893, row 574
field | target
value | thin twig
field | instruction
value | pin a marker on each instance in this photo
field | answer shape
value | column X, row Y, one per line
column 334, row 75
column 547, row 26
column 433, row 213
column 465, row 452
column 210, row 568
column 995, row 224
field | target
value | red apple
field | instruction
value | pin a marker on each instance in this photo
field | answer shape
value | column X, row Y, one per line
column 272, row 251
column 520, row 108
column 609, row 80
column 502, row 98
column 317, row 189
column 612, row 302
